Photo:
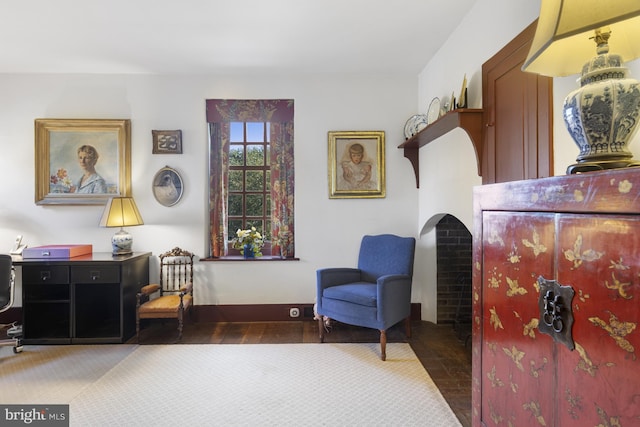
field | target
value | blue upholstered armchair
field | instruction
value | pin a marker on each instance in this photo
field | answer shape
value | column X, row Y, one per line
column 377, row 294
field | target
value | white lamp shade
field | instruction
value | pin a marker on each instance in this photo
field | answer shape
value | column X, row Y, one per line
column 562, row 43
column 121, row 212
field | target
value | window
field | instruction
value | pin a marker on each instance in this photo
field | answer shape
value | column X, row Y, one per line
column 249, row 198
column 251, row 173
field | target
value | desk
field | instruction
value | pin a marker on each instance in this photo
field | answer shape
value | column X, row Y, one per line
column 81, row 300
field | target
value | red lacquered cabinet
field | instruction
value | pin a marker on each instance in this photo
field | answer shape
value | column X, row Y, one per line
column 570, row 359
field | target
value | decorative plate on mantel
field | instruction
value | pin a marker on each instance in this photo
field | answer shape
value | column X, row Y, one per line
column 433, row 113
column 414, row 125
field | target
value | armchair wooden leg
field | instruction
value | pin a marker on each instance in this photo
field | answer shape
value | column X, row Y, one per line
column 383, row 345
column 407, row 326
column 137, row 327
column 180, row 324
column 321, row 329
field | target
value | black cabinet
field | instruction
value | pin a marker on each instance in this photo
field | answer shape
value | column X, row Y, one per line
column 86, row 299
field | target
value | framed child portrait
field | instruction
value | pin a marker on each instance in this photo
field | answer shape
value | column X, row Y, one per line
column 356, row 164
column 82, row 161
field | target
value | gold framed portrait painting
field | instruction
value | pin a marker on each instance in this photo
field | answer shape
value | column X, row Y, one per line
column 356, row 164
column 82, row 161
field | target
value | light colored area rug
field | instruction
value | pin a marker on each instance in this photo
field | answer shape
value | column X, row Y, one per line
column 55, row 374
column 229, row 385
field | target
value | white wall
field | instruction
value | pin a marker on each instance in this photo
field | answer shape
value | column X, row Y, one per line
column 448, row 170
column 328, row 231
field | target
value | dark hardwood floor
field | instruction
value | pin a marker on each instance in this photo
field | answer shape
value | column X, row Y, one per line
column 442, row 353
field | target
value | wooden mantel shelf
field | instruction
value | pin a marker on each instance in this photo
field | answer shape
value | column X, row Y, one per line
column 468, row 119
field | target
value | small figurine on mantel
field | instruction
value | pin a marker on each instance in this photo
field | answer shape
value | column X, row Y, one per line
column 463, row 94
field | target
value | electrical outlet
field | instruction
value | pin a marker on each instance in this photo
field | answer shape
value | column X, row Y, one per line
column 294, row 312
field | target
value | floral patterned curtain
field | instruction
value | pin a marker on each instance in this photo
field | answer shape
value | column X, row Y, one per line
column 218, row 186
column 282, row 188
column 279, row 113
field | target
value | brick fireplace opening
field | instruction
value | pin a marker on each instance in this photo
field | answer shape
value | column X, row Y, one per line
column 454, row 265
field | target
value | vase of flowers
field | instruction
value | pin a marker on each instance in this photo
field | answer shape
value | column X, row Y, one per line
column 249, row 242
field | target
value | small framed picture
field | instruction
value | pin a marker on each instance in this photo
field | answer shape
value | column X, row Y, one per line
column 167, row 141
column 356, row 164
column 167, row 186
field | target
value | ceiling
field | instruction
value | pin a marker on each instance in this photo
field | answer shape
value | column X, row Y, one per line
column 218, row 36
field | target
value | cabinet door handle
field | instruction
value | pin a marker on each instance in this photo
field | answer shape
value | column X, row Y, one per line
column 556, row 317
column 553, row 311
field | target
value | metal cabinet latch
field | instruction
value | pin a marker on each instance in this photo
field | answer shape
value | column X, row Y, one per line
column 556, row 315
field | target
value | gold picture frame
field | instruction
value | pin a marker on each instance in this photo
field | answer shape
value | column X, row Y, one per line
column 356, row 164
column 82, row 161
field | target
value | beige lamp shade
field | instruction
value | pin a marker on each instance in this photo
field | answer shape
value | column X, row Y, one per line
column 121, row 212
column 563, row 40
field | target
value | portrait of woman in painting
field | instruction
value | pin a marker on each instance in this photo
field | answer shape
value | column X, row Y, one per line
column 83, row 166
column 90, row 182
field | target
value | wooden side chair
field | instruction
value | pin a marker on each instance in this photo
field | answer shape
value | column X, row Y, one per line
column 175, row 290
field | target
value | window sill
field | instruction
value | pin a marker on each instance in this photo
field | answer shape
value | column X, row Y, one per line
column 241, row 258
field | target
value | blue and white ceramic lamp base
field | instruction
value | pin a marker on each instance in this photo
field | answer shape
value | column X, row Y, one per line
column 602, row 115
column 122, row 243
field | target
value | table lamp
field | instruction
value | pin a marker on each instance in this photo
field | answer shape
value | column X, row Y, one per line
column 121, row 212
column 602, row 115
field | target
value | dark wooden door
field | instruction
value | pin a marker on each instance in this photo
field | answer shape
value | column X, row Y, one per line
column 518, row 110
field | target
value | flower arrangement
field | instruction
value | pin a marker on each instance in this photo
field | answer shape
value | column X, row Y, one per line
column 61, row 182
column 249, row 239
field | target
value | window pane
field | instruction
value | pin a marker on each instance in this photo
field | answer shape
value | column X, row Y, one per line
column 255, row 132
column 268, row 205
column 255, row 203
column 234, row 224
column 235, row 204
column 267, row 183
column 255, row 155
column 235, row 180
column 255, row 180
column 236, row 155
column 236, row 132
column 257, row 223
column 268, row 138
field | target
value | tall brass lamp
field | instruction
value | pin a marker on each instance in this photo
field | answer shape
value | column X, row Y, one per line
column 121, row 212
column 602, row 115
